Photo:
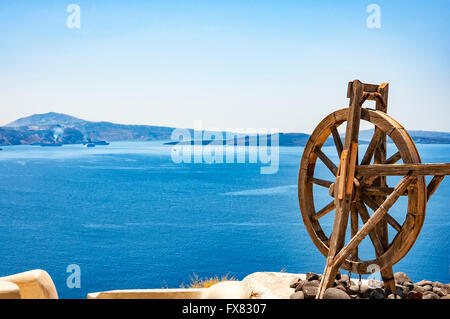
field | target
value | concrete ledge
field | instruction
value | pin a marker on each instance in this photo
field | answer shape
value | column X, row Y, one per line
column 34, row 284
column 181, row 293
column 9, row 290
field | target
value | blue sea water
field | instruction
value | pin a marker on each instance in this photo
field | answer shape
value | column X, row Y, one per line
column 132, row 218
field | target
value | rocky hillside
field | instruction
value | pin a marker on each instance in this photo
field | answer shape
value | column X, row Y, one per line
column 62, row 128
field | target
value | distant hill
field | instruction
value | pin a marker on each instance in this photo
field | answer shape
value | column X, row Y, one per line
column 47, row 119
column 419, row 137
column 62, row 128
column 67, row 129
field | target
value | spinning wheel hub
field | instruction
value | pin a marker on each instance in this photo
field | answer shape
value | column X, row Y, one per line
column 356, row 194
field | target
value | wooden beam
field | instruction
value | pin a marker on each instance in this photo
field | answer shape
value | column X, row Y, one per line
column 403, row 169
column 343, row 205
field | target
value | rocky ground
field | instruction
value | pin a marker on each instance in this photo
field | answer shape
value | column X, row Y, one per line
column 343, row 288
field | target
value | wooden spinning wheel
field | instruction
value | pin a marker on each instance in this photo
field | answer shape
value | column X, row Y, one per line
column 359, row 185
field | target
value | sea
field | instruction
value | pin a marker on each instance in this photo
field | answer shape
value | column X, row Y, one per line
column 130, row 217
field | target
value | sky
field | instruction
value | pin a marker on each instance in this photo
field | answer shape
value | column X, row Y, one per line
column 229, row 64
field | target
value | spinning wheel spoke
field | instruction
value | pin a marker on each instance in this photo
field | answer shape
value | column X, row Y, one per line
column 374, row 205
column 393, row 159
column 363, row 212
column 378, row 191
column 368, row 180
column 330, row 207
column 333, row 168
column 354, row 225
column 320, row 182
column 337, row 140
column 376, row 140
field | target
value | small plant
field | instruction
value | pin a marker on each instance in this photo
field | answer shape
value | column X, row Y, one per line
column 197, row 282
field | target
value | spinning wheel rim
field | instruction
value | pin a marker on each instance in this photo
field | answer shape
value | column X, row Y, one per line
column 415, row 215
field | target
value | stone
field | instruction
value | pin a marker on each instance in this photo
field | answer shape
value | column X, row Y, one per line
column 364, row 291
column 445, row 297
column 419, row 289
column 294, row 282
column 341, row 287
column 271, row 285
column 354, row 289
column 401, row 291
column 409, row 285
column 401, row 277
column 428, row 287
column 377, row 293
column 310, row 289
column 298, row 295
column 439, row 291
column 424, row 283
column 227, row 290
column 391, row 296
column 310, row 292
column 430, row 295
column 335, row 293
column 446, row 288
column 311, row 276
column 313, row 283
column 438, row 284
column 414, row 295
column 300, row 285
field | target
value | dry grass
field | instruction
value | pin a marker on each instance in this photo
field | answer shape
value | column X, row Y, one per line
column 197, row 282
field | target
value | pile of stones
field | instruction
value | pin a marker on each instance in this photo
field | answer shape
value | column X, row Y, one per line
column 343, row 288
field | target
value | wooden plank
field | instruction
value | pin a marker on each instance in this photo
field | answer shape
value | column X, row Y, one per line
column 380, row 157
column 403, row 169
column 342, row 174
column 373, row 221
column 333, row 168
column 351, row 167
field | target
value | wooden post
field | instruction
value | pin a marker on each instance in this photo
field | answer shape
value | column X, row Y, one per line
column 380, row 157
column 345, row 175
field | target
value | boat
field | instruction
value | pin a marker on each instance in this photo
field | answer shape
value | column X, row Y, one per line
column 95, row 142
column 89, row 145
column 50, row 144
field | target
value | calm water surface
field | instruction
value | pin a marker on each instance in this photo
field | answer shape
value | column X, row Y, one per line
column 131, row 218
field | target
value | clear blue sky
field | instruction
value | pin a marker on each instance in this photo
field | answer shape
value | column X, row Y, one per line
column 231, row 64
